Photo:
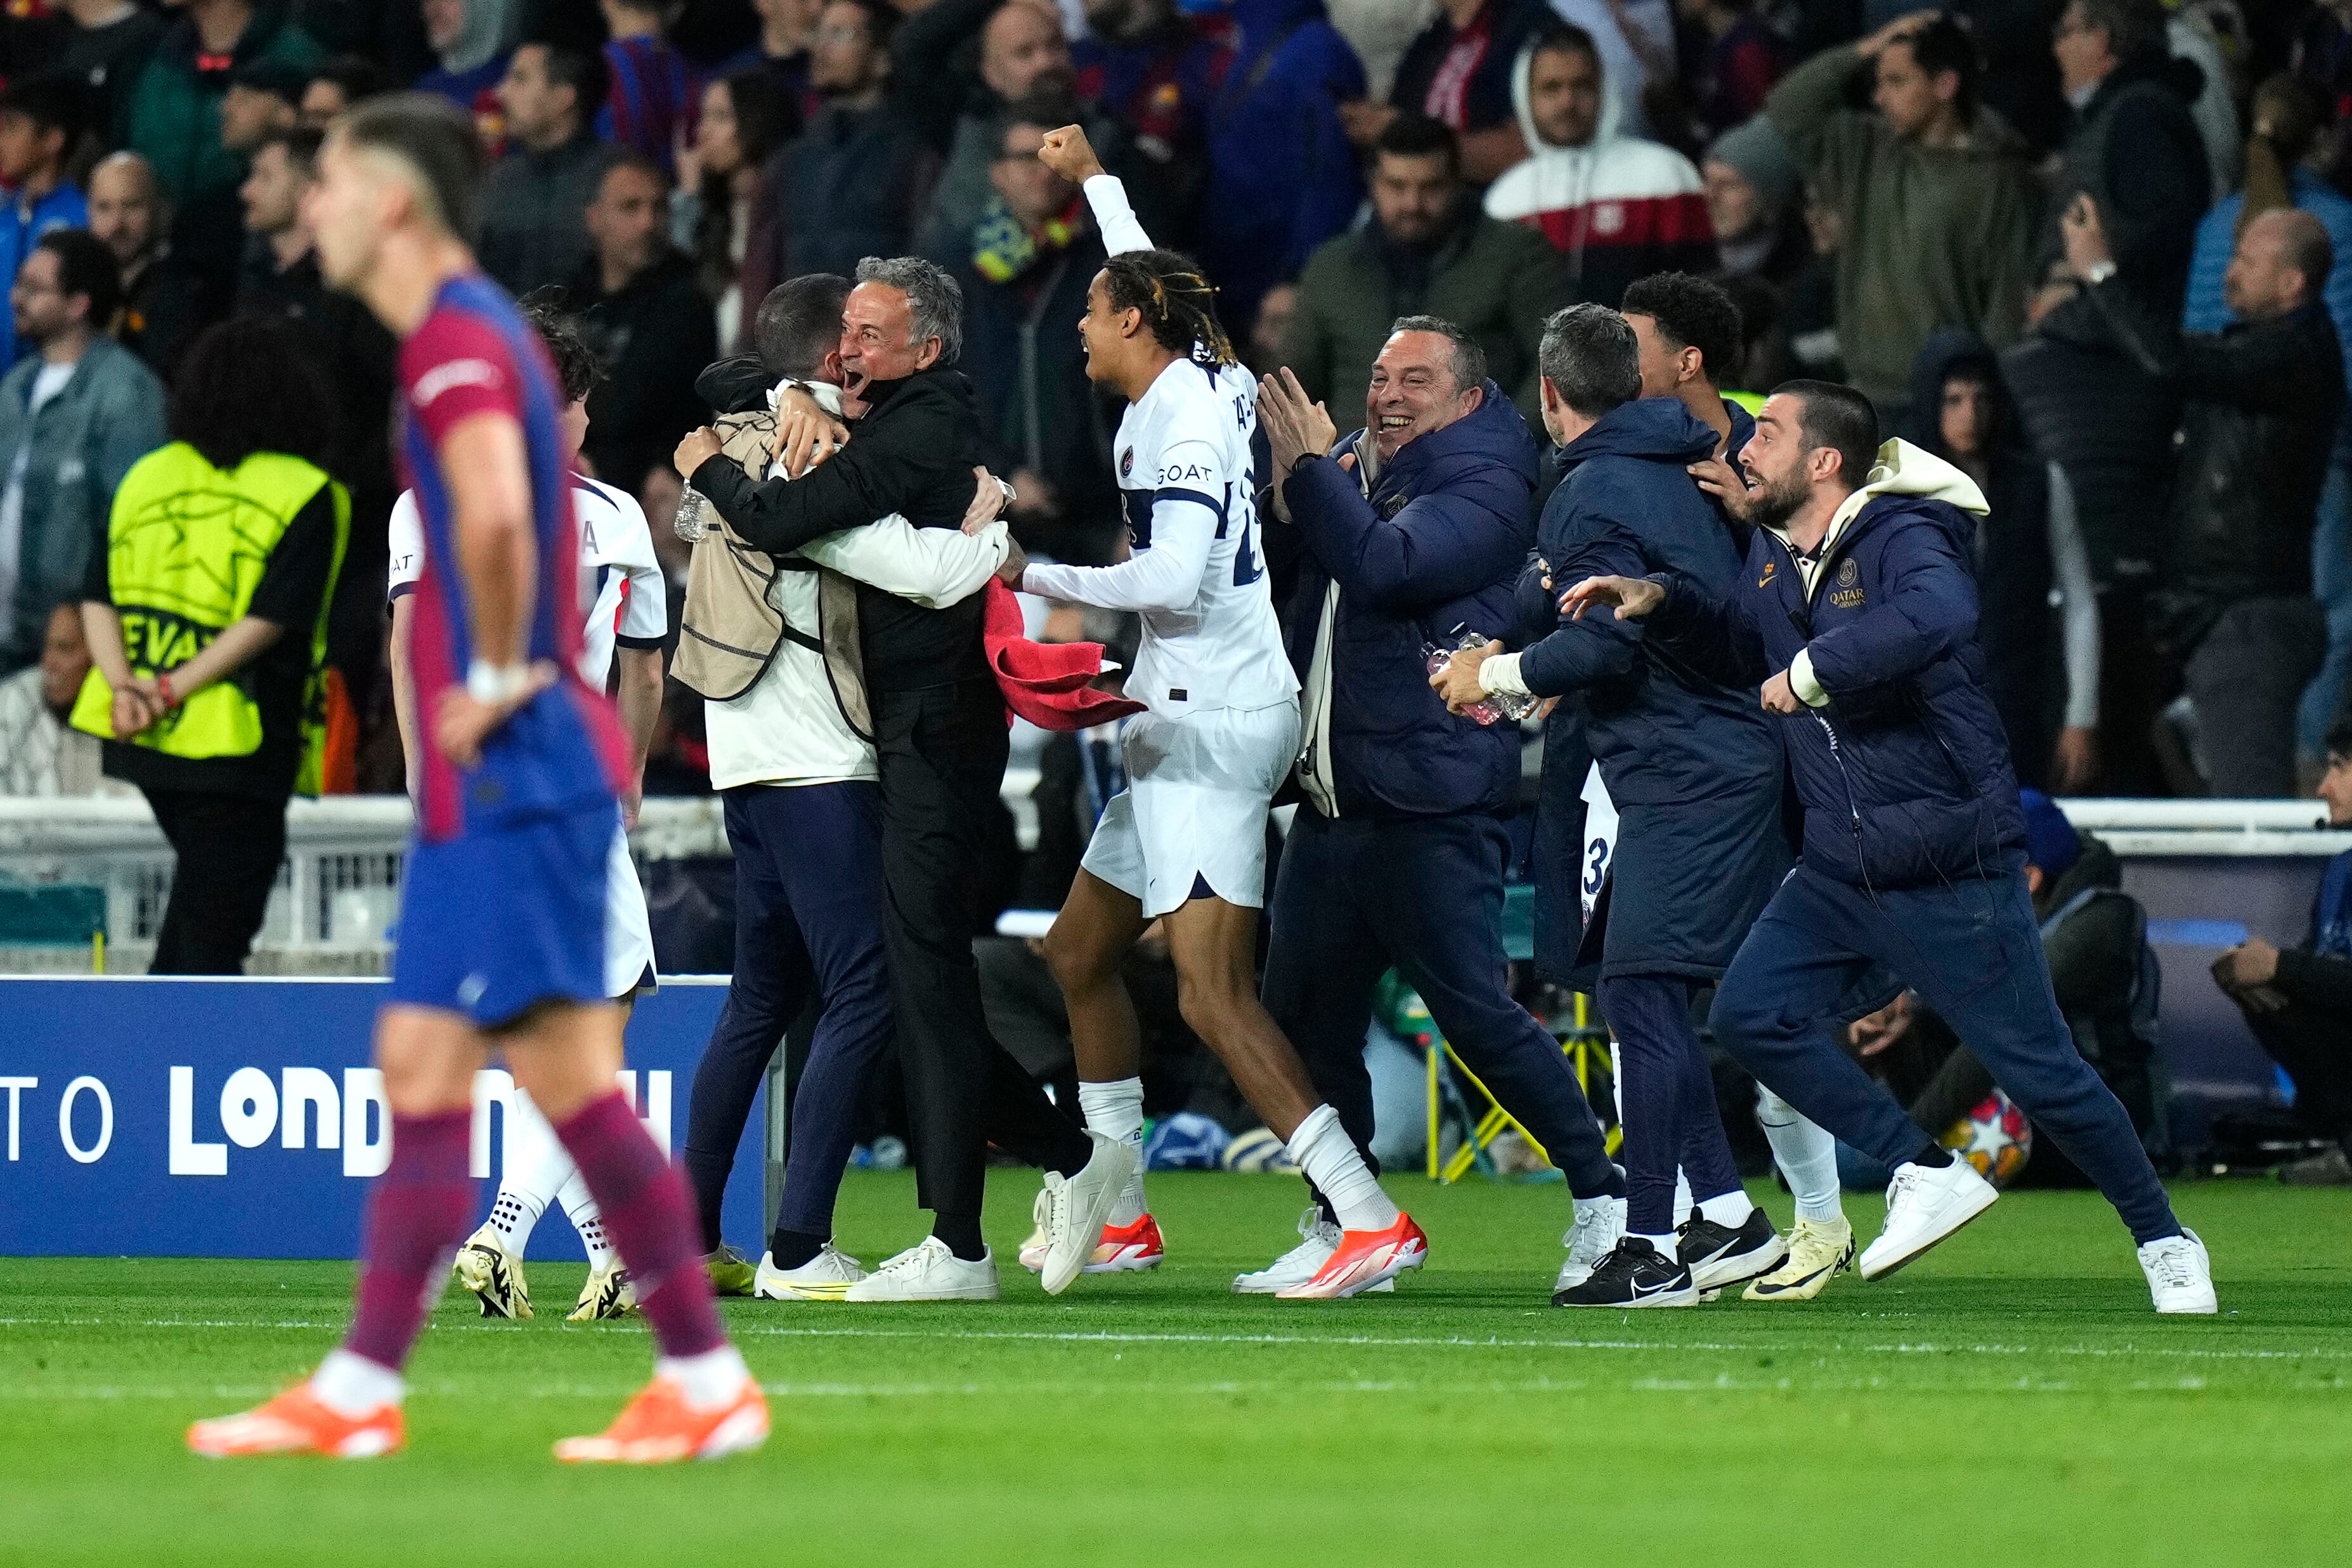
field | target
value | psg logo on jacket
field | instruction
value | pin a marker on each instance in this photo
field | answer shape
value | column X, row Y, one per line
column 1126, row 465
column 1849, row 593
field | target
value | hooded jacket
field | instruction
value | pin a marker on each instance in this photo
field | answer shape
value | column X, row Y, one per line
column 1693, row 764
column 1935, row 236
column 1897, row 757
column 1617, row 209
column 1437, row 544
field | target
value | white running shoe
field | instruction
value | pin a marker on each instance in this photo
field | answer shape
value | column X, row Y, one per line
column 1319, row 1239
column 1600, row 1221
column 930, row 1272
column 824, row 1278
column 2180, row 1274
column 1075, row 1208
column 1925, row 1204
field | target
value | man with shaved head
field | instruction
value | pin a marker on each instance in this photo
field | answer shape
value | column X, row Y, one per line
column 2233, row 604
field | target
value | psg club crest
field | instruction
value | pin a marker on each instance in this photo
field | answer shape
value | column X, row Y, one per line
column 1126, row 465
column 1850, row 573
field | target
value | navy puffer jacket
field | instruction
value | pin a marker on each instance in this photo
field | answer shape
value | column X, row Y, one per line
column 1438, row 544
column 1903, row 771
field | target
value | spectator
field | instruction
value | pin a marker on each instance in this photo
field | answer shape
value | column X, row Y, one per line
column 786, row 29
column 471, row 39
column 1427, row 250
column 715, row 213
column 1935, row 197
column 1282, row 178
column 853, row 183
column 1462, row 72
column 207, row 231
column 535, row 199
column 2287, row 119
column 1268, row 347
column 36, row 127
column 164, row 303
column 1158, row 72
column 74, row 417
column 1616, row 207
column 2298, row 1000
column 650, row 106
column 1022, row 53
column 173, row 114
column 2234, row 603
column 1025, row 267
column 650, row 327
column 2320, row 56
column 1742, row 61
column 40, row 753
column 1753, row 189
column 218, row 727
column 337, row 84
column 2131, row 146
column 2037, row 610
column 109, row 42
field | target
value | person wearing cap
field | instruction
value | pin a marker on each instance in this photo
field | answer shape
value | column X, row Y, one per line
column 1753, row 186
column 37, row 126
column 174, row 110
column 263, row 97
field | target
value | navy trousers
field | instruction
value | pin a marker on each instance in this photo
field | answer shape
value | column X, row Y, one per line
column 1670, row 1114
column 808, row 923
column 1356, row 898
column 1972, row 950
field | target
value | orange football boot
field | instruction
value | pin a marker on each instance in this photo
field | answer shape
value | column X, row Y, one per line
column 659, row 1428
column 1363, row 1259
column 296, row 1423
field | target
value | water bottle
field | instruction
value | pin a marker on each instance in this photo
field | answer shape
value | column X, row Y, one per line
column 690, row 524
column 1494, row 706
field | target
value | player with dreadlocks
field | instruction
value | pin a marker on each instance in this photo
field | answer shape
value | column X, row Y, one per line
column 1184, row 844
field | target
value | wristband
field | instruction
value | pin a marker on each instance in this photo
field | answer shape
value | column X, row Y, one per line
column 493, row 685
column 1302, row 460
column 164, row 684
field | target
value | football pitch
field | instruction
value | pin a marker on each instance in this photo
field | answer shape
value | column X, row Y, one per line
column 2010, row 1399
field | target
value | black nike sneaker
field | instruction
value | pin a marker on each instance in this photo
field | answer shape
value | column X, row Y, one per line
column 1634, row 1275
column 1719, row 1255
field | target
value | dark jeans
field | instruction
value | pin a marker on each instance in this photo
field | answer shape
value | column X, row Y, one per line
column 2315, row 1049
column 1355, row 898
column 2245, row 679
column 1973, row 952
column 1670, row 1114
column 228, row 849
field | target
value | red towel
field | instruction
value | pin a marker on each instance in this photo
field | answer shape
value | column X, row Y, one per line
column 1045, row 683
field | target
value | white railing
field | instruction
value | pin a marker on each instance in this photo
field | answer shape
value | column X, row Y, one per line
column 2222, row 828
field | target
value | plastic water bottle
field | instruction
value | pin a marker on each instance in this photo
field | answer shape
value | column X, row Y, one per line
column 690, row 524
column 1495, row 705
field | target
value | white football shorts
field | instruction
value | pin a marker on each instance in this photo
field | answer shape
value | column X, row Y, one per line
column 628, row 933
column 1194, row 807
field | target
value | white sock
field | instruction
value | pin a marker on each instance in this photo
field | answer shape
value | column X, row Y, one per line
column 1731, row 1209
column 1667, row 1247
column 1684, row 1202
column 535, row 1170
column 1324, row 1153
column 352, row 1385
column 586, row 1218
column 708, row 1380
column 1807, row 1156
column 1115, row 1109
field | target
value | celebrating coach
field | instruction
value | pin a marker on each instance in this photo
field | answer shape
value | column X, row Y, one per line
column 1413, row 527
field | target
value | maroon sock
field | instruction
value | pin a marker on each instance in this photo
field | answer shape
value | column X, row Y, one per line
column 417, row 1214
column 650, row 1219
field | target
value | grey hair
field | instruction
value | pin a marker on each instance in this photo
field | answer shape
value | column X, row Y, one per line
column 1466, row 363
column 933, row 295
column 1590, row 358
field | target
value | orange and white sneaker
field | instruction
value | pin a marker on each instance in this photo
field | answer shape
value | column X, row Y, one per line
column 296, row 1423
column 1362, row 1260
column 1124, row 1249
column 659, row 1428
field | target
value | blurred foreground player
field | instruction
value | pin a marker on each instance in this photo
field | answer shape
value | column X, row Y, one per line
column 502, row 906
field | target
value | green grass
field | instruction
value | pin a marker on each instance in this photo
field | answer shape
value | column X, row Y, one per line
column 2010, row 1400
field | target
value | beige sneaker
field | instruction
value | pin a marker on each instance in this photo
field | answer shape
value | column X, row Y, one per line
column 484, row 1267
column 607, row 1294
column 1818, row 1249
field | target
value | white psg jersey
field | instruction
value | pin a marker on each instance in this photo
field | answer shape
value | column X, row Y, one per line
column 621, row 589
column 1197, row 571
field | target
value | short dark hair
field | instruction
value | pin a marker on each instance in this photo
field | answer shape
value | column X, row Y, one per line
column 798, row 321
column 1048, row 107
column 436, row 140
column 1465, row 360
column 766, row 116
column 1942, row 45
column 1840, row 419
column 252, row 383
column 1590, row 356
column 577, row 367
column 355, row 75
column 2338, row 742
column 85, row 266
column 2131, row 25
column 1556, row 37
column 636, row 160
column 1692, row 313
column 50, row 102
column 582, row 71
column 1412, row 135
column 301, row 143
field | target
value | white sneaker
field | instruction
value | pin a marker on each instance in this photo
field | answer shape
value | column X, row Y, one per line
column 1600, row 1221
column 927, row 1273
column 1075, row 1208
column 824, row 1278
column 1319, row 1239
column 2180, row 1274
column 1925, row 1204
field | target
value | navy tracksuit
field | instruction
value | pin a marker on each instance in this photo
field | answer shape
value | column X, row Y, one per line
column 1914, row 838
column 1409, row 871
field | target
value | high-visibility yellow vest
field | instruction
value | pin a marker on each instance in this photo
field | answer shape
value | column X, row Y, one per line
column 186, row 544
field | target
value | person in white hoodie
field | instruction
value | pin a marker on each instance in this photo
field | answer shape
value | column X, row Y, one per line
column 1616, row 207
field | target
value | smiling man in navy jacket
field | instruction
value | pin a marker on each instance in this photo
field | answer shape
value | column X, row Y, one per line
column 1858, row 613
